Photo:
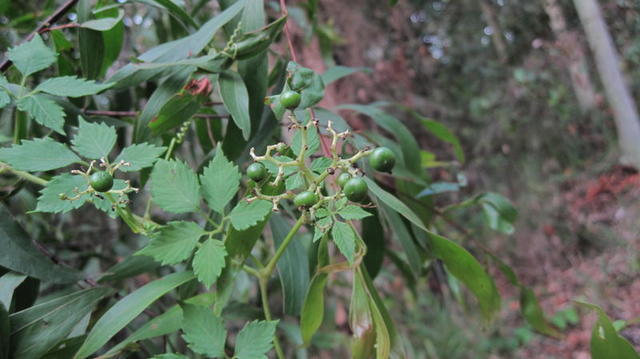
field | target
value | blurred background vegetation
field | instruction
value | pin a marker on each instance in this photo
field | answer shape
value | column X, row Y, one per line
column 501, row 75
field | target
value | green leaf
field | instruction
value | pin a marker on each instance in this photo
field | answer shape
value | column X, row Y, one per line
column 320, row 164
column 103, row 24
column 335, row 73
column 66, row 185
column 71, row 86
column 32, row 56
column 469, row 271
column 499, row 213
column 345, row 239
column 255, row 340
column 293, row 266
column 168, row 322
column 129, row 267
column 127, row 309
column 174, row 9
column 220, row 182
column 312, row 313
column 8, row 284
column 5, row 332
column 174, row 113
column 351, row 212
column 5, row 99
column 38, row 329
column 307, row 82
column 44, row 111
column 247, row 214
column 393, row 202
column 403, row 235
column 204, row 331
column 373, row 237
column 94, row 140
column 294, row 182
column 173, row 51
column 174, row 242
column 20, row 255
column 361, row 322
column 40, row 154
column 139, row 156
column 90, row 42
column 408, row 143
column 442, row 132
column 313, row 142
column 165, row 91
column 606, row 343
column 209, row 261
column 236, row 99
column 175, row 187
column 170, row 356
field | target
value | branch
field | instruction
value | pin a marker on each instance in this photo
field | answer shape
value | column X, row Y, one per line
column 47, row 22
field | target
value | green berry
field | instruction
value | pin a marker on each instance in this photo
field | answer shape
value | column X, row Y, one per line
column 256, row 171
column 270, row 189
column 342, row 179
column 382, row 159
column 305, row 199
column 101, row 181
column 355, row 189
column 290, row 99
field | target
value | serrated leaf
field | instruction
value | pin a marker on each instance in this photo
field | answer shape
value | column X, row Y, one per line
column 236, row 99
column 353, row 212
column 44, row 111
column 294, row 181
column 220, row 182
column 65, row 184
column 41, row 154
column 174, row 242
column 71, row 86
column 203, row 330
column 255, row 340
column 345, row 239
column 127, row 309
column 139, row 156
column 32, row 56
column 247, row 214
column 209, row 261
column 94, row 140
column 175, row 187
column 320, row 164
column 313, row 142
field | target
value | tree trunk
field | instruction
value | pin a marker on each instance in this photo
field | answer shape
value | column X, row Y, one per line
column 497, row 34
column 624, row 109
column 574, row 53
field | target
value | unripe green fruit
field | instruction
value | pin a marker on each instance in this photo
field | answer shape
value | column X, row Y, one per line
column 271, row 189
column 290, row 99
column 101, row 181
column 343, row 179
column 382, row 159
column 256, row 171
column 355, row 189
column 305, row 199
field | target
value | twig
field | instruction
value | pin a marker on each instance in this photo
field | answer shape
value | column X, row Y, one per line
column 47, row 22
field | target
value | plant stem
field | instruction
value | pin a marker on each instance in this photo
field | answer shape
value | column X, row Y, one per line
column 24, row 175
column 264, row 282
column 270, row 267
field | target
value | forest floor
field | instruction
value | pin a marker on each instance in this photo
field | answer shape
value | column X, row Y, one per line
column 590, row 251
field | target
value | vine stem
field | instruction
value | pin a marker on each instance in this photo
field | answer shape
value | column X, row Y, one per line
column 271, row 266
column 265, row 273
column 24, row 175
